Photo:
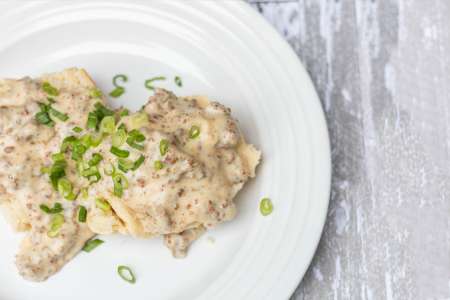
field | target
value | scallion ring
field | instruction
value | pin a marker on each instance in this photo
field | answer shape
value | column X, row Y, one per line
column 178, row 81
column 92, row 244
column 126, row 274
column 120, row 184
column 108, row 125
column 194, row 132
column 103, row 204
column 55, row 225
column 148, row 82
column 119, row 152
column 158, row 165
column 163, row 147
column 266, row 206
column 49, row 89
column 82, row 214
column 119, row 138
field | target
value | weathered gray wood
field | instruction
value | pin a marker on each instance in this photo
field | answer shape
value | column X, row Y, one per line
column 381, row 70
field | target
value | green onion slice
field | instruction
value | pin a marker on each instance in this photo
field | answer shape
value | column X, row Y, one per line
column 96, row 159
column 109, row 169
column 178, row 81
column 92, row 244
column 57, row 114
column 138, row 162
column 103, row 204
column 44, row 119
column 77, row 129
column 119, row 138
column 108, row 125
column 194, row 132
column 125, row 165
column 119, row 152
column 84, row 193
column 126, row 274
column 49, row 89
column 57, row 208
column 65, row 189
column 163, row 146
column 138, row 120
column 266, row 206
column 55, row 225
column 58, row 156
column 122, row 77
column 92, row 121
column 82, row 214
column 120, row 183
column 117, row 92
column 148, row 82
column 96, row 93
column 158, row 165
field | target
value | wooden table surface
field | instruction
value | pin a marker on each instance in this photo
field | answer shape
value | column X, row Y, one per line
column 381, row 70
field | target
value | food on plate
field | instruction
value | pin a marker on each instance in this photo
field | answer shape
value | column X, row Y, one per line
column 71, row 168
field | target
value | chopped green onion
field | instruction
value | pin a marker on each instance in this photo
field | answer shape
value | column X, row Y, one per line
column 109, row 170
column 68, row 142
column 49, row 89
column 96, row 93
column 84, row 193
column 135, row 137
column 103, row 204
column 125, row 164
column 43, row 118
column 124, row 112
column 148, row 82
column 77, row 129
column 138, row 162
column 89, row 171
column 82, row 213
column 57, row 114
column 265, row 207
column 119, row 153
column 55, row 225
column 178, row 81
column 92, row 244
column 122, row 127
column 102, row 111
column 117, row 92
column 158, row 165
column 120, row 183
column 58, row 156
column 122, row 77
column 119, row 138
column 194, row 132
column 108, row 125
column 57, row 171
column 126, row 274
column 65, row 189
column 163, row 146
column 92, row 121
column 57, row 208
column 51, row 101
column 138, row 120
column 96, row 159
column 78, row 151
column 95, row 177
column 95, row 139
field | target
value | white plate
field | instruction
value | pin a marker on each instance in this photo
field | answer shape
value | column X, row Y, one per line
column 228, row 52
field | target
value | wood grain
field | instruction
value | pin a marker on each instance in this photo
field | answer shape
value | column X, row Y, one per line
column 381, row 71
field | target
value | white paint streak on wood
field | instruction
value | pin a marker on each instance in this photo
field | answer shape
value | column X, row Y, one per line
column 381, row 69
